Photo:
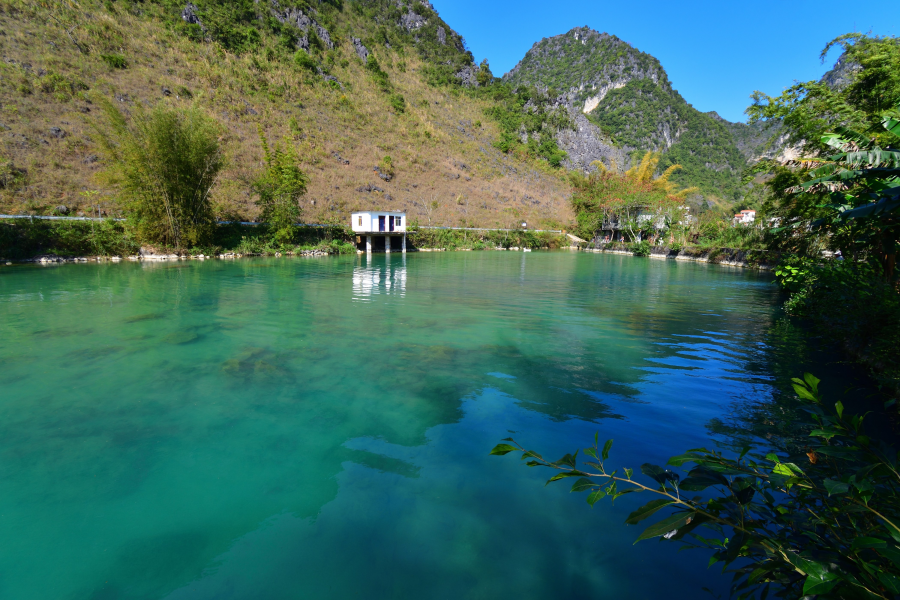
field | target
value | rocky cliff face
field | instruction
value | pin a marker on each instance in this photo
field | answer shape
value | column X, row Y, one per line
column 586, row 63
column 623, row 104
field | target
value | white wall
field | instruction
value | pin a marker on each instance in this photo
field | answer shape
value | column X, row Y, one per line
column 370, row 222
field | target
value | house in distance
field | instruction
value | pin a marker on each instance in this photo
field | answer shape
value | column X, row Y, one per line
column 379, row 231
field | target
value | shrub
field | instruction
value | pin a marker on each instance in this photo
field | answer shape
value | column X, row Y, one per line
column 115, row 61
column 398, row 103
column 164, row 162
column 379, row 76
column 641, row 248
column 280, row 188
column 303, row 60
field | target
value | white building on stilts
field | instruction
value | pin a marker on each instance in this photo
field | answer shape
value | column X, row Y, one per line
column 379, row 231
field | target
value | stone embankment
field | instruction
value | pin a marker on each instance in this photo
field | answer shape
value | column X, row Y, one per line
column 731, row 257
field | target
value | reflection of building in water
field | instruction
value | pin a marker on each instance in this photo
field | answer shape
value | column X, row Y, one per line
column 387, row 277
column 379, row 231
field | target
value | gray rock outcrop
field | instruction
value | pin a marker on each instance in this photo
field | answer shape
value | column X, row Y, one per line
column 303, row 22
column 842, row 74
column 361, row 51
column 412, row 21
column 468, row 76
column 586, row 144
column 442, row 35
column 189, row 15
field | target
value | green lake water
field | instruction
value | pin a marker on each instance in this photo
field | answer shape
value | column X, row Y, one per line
column 319, row 428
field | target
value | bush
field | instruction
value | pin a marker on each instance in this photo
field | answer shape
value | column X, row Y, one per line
column 115, row 61
column 280, row 188
column 24, row 238
column 164, row 162
column 378, row 76
column 303, row 60
column 398, row 103
column 640, row 248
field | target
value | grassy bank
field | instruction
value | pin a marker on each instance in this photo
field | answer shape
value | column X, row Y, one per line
column 23, row 239
column 454, row 239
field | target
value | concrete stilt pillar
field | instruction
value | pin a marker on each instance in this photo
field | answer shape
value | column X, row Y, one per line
column 387, row 244
column 404, row 243
column 368, row 244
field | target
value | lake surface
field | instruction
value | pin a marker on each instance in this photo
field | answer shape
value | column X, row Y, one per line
column 320, row 428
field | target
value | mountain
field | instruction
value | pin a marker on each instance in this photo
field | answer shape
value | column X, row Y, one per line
column 626, row 94
column 347, row 82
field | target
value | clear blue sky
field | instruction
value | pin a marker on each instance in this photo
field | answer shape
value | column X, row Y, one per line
column 716, row 53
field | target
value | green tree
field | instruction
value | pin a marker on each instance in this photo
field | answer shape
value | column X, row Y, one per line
column 863, row 182
column 607, row 196
column 870, row 69
column 164, row 162
column 484, row 77
column 280, row 187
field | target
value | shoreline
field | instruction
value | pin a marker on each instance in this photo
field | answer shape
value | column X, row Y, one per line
column 762, row 260
column 728, row 257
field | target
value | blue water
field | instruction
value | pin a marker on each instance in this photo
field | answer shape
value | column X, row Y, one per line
column 320, row 428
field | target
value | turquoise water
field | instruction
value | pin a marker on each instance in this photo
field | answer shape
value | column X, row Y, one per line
column 320, row 428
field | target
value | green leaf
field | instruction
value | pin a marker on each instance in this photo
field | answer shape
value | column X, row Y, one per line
column 839, row 407
column 867, row 542
column 647, row 510
column 595, row 496
column 812, row 381
column 699, row 483
column 816, row 585
column 568, row 460
column 606, row 448
column 889, row 581
column 665, row 526
column 835, row 487
column 628, row 473
column 774, row 458
column 804, row 393
column 690, row 456
column 657, row 473
column 591, row 452
column 559, row 476
column 788, row 469
column 582, row 484
column 501, row 449
column 891, row 124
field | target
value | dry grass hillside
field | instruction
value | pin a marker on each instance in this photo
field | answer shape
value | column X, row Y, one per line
column 446, row 170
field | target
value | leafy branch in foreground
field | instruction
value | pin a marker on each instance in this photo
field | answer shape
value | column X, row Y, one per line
column 827, row 530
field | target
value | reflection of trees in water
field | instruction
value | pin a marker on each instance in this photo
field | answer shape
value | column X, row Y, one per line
column 772, row 416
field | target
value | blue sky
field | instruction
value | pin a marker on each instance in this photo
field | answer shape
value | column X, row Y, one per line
column 716, row 53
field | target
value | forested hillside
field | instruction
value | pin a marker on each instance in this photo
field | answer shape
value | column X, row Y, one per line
column 627, row 93
column 372, row 93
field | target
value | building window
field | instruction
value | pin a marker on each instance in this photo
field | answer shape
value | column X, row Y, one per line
column 399, row 221
column 360, row 220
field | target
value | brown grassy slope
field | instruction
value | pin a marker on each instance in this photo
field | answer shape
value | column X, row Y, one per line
column 439, row 151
